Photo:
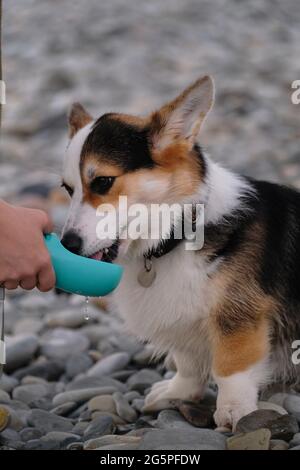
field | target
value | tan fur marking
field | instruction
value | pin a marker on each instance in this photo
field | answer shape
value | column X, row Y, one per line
column 240, row 350
column 78, row 118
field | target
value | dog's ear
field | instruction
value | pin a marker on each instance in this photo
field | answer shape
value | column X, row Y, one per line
column 183, row 117
column 78, row 117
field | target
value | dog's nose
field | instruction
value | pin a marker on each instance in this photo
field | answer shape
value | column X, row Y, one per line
column 72, row 242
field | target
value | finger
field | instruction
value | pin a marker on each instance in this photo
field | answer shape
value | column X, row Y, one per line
column 46, row 222
column 10, row 285
column 46, row 279
column 29, row 283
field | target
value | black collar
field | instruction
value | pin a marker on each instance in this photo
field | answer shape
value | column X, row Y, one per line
column 168, row 244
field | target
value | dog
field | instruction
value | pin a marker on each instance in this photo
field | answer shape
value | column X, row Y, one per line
column 228, row 311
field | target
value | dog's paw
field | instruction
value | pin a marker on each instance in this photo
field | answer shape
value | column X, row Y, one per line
column 228, row 415
column 163, row 393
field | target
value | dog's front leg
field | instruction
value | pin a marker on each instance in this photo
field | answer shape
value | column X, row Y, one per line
column 187, row 384
column 239, row 368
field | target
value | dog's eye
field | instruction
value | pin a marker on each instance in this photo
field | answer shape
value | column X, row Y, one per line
column 68, row 188
column 102, row 184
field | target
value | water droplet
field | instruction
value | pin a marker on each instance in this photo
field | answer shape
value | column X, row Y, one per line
column 86, row 309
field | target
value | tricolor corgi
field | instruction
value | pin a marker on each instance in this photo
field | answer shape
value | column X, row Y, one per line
column 228, row 311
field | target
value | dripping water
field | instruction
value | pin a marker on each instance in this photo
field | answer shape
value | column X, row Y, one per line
column 86, row 309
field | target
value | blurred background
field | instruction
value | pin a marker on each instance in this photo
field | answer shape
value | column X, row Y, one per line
column 133, row 55
column 129, row 56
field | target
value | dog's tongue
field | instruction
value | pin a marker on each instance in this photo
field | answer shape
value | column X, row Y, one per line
column 97, row 255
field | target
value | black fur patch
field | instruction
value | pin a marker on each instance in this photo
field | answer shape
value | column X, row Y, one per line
column 120, row 143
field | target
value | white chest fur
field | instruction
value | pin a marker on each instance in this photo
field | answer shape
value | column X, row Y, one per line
column 181, row 295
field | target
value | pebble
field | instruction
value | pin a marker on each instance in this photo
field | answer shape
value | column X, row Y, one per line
column 108, row 440
column 7, row 383
column 99, row 427
column 95, row 382
column 292, row 405
column 80, row 427
column 198, row 415
column 28, row 434
column 28, row 325
column 29, row 393
column 59, row 439
column 81, row 395
column 102, row 403
column 64, row 409
column 281, row 426
column 171, row 419
column 266, row 405
column 116, row 419
column 4, row 397
column 278, row 398
column 19, row 351
column 4, row 418
column 296, row 440
column 160, row 439
column 47, row 422
column 124, row 410
column 78, row 363
column 62, row 343
column 277, row 444
column 143, row 379
column 69, row 318
column 109, row 364
column 295, row 448
column 48, row 370
column 11, row 438
column 255, row 440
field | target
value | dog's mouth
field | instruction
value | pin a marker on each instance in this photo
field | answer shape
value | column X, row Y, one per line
column 109, row 254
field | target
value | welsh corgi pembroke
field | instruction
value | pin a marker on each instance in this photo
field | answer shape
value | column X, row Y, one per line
column 229, row 311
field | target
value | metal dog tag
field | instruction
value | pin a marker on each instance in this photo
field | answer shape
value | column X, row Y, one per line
column 147, row 274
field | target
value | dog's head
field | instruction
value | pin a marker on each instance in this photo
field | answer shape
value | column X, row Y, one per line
column 151, row 160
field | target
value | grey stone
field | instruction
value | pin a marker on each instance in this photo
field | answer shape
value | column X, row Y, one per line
column 80, row 427
column 267, row 405
column 69, row 318
column 59, row 439
column 11, row 438
column 48, row 370
column 78, row 363
column 277, row 444
column 145, row 356
column 292, row 405
column 99, row 427
column 295, row 448
column 30, row 393
column 8, row 383
column 296, row 440
column 171, row 419
column 75, row 446
column 62, row 343
column 95, row 382
column 108, row 440
column 130, row 396
column 28, row 434
column 138, row 404
column 191, row 438
column 81, row 395
column 65, row 408
column 278, row 398
column 254, row 440
column 124, row 410
column 4, row 397
column 19, row 351
column 28, row 325
column 109, row 364
column 281, row 426
column 197, row 414
column 47, row 422
column 143, row 379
